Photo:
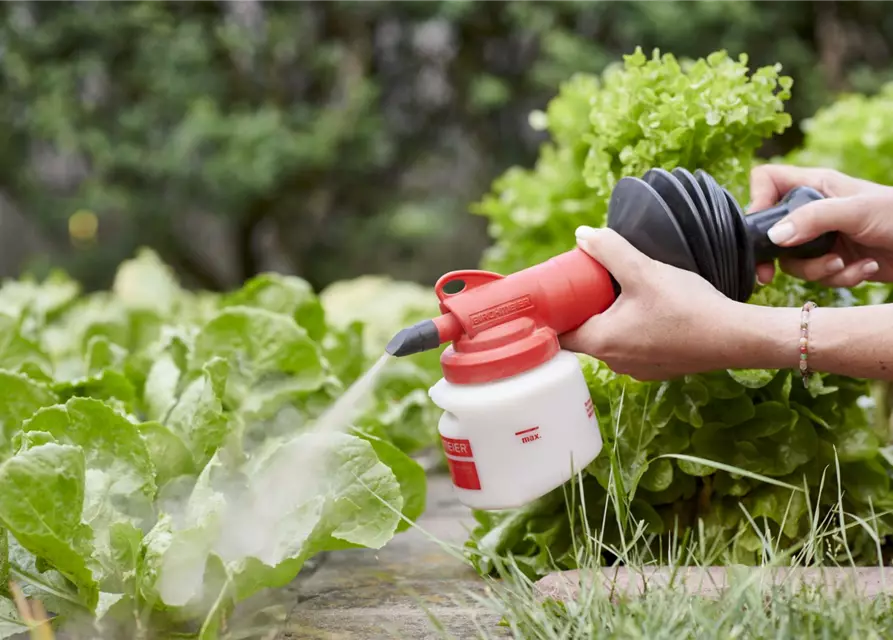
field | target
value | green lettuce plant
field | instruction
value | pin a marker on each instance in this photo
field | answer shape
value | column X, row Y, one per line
column 711, row 114
column 649, row 112
column 854, row 135
column 157, row 458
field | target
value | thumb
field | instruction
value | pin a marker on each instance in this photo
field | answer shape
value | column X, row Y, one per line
column 613, row 252
column 813, row 219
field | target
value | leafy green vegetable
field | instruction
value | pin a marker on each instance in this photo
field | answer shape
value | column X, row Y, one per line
column 20, row 397
column 338, row 495
column 283, row 294
column 710, row 114
column 41, row 505
column 851, row 135
column 655, row 112
column 410, row 476
column 157, row 454
column 11, row 623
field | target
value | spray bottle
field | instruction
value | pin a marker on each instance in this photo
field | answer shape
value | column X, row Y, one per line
column 518, row 420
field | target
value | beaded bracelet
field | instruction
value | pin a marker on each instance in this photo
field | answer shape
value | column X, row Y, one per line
column 804, row 341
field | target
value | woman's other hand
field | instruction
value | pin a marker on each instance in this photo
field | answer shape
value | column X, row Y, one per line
column 666, row 322
column 860, row 211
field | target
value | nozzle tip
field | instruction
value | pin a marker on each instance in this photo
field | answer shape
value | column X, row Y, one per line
column 419, row 337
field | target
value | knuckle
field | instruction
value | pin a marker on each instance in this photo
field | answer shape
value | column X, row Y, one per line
column 843, row 280
column 878, row 204
column 793, row 268
column 633, row 270
column 828, row 181
column 833, row 283
column 639, row 265
column 812, row 270
column 590, row 340
column 760, row 171
column 600, row 243
column 609, row 238
column 805, row 218
column 621, row 368
column 599, row 346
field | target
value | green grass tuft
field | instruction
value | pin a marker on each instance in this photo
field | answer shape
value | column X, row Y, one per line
column 753, row 603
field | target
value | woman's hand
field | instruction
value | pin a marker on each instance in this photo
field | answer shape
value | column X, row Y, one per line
column 861, row 211
column 666, row 322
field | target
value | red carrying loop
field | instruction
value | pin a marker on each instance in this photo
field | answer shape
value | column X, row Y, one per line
column 471, row 277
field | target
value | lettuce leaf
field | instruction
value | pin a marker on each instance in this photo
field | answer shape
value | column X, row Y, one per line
column 41, row 502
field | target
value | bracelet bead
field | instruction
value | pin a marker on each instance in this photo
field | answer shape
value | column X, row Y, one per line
column 804, row 342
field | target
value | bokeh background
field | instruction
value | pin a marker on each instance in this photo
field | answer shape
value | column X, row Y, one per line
column 332, row 139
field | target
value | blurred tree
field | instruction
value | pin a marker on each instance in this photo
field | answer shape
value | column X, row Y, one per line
column 329, row 139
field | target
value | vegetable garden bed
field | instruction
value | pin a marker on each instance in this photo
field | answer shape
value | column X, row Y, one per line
column 158, row 464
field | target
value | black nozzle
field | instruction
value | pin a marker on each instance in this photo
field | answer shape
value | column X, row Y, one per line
column 691, row 222
column 421, row 336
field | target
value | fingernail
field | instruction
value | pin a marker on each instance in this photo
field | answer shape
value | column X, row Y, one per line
column 834, row 266
column 781, row 232
column 585, row 233
column 871, row 268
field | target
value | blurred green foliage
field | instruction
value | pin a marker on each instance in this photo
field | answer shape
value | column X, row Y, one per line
column 328, row 139
column 853, row 135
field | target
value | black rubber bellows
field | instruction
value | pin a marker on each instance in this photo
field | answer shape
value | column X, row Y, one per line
column 691, row 222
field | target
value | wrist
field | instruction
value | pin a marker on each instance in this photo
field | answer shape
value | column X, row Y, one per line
column 760, row 337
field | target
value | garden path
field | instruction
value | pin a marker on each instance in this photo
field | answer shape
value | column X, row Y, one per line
column 364, row 594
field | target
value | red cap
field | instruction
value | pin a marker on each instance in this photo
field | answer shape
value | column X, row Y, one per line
column 501, row 326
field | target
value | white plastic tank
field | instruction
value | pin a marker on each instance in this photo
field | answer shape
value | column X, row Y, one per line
column 513, row 440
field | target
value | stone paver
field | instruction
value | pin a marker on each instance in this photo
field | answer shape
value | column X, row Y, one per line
column 361, row 593
column 711, row 582
column 389, row 593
